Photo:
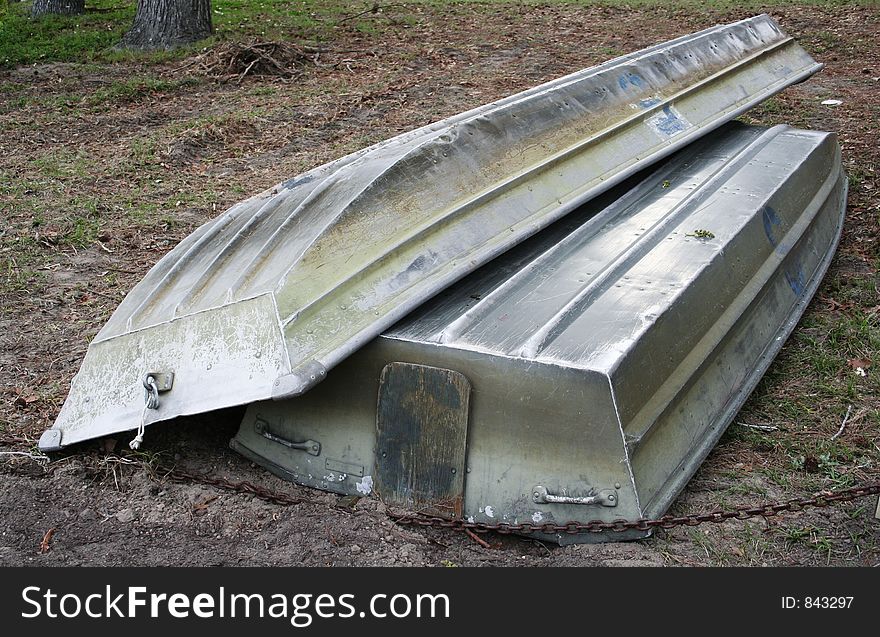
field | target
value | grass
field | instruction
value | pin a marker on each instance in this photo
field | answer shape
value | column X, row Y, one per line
column 812, row 538
column 18, row 266
column 112, row 92
column 60, row 38
column 93, row 35
column 131, row 89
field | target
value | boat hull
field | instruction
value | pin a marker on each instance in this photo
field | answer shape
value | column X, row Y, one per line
column 263, row 301
column 601, row 360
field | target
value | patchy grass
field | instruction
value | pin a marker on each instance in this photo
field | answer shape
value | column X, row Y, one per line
column 93, row 35
column 132, row 89
column 108, row 159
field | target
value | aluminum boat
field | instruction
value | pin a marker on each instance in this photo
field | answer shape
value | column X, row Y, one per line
column 267, row 298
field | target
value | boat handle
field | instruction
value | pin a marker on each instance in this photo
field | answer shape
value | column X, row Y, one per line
column 605, row 498
column 311, row 447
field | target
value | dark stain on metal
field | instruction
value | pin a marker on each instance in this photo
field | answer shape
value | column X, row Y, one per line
column 422, row 263
column 422, row 435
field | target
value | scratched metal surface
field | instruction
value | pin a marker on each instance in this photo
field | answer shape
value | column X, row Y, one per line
column 336, row 255
column 611, row 349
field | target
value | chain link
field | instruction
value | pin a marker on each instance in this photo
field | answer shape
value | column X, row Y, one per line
column 275, row 497
column 767, row 510
column 666, row 522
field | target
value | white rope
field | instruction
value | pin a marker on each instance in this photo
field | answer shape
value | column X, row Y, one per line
column 151, row 401
column 139, row 438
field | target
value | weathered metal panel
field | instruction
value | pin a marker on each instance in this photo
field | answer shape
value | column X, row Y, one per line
column 349, row 248
column 221, row 352
column 608, row 353
column 421, row 436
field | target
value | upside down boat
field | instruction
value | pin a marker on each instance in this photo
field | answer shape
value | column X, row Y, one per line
column 502, row 316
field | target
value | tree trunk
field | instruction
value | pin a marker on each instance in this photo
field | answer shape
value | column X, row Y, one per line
column 166, row 24
column 57, row 7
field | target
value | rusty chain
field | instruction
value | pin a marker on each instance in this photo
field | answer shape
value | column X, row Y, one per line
column 275, row 497
column 665, row 522
column 767, row 510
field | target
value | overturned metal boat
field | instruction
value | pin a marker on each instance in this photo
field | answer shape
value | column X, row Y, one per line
column 585, row 374
column 261, row 302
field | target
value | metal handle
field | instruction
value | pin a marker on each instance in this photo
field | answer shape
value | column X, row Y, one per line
column 311, row 447
column 606, row 498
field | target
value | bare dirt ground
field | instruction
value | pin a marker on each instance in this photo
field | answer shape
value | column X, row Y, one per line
column 104, row 167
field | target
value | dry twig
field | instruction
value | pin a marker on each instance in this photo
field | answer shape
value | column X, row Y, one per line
column 47, row 538
column 758, row 427
column 237, row 60
column 843, row 424
column 32, row 456
column 476, row 538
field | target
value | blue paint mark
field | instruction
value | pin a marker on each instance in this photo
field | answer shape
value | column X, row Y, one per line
column 669, row 123
column 771, row 223
column 624, row 81
column 794, row 273
column 648, row 103
column 795, row 278
column 296, row 181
